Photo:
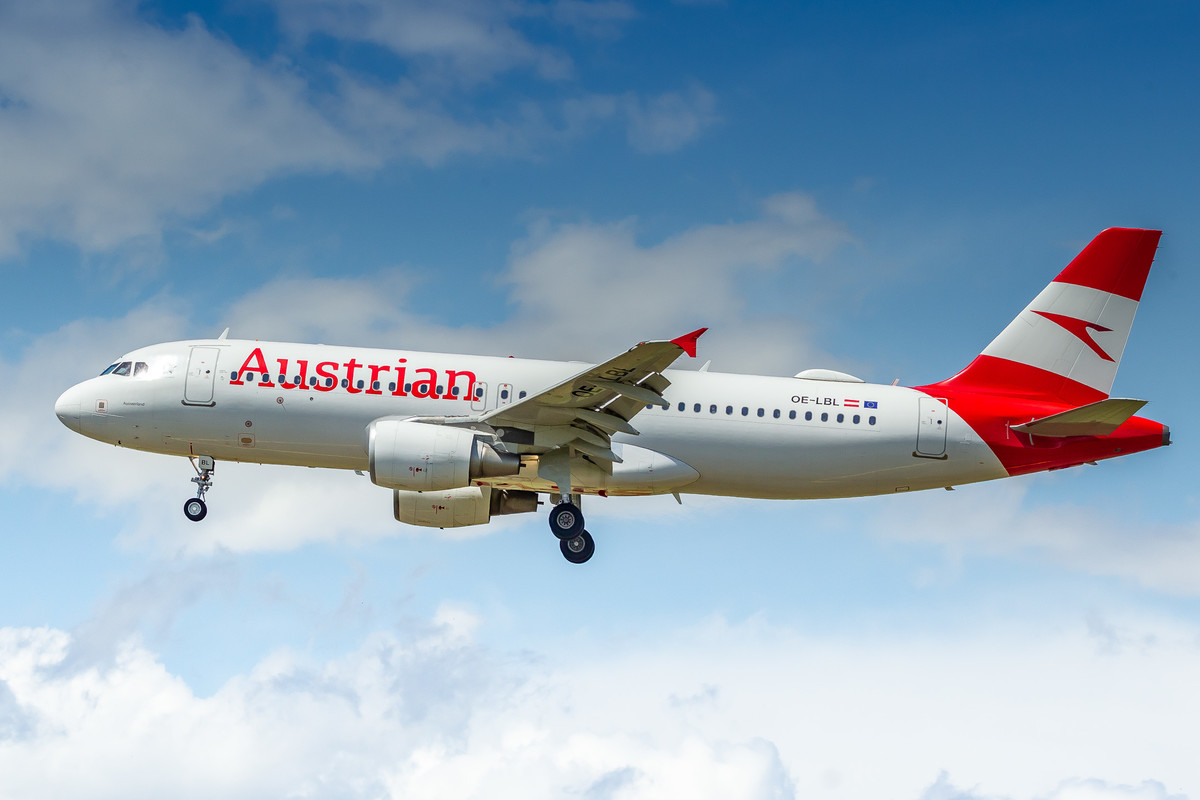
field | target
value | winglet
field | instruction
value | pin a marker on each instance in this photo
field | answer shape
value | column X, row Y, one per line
column 687, row 342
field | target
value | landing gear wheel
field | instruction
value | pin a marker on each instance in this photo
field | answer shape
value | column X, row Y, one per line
column 578, row 549
column 566, row 521
column 195, row 509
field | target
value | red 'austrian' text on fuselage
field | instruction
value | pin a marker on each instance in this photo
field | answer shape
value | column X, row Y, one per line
column 422, row 382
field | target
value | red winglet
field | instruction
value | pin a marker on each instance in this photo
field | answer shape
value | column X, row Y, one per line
column 688, row 341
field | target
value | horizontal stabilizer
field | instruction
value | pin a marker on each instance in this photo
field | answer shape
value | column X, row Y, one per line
column 1094, row 419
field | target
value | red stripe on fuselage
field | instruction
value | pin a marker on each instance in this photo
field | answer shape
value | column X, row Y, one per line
column 999, row 376
column 993, row 415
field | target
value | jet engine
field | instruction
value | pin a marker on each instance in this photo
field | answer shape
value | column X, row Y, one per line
column 422, row 457
column 455, row 508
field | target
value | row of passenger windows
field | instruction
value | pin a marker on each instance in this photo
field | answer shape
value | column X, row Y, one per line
column 127, row 368
column 824, row 416
column 375, row 386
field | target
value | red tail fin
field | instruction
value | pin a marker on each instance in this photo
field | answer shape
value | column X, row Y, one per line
column 1067, row 344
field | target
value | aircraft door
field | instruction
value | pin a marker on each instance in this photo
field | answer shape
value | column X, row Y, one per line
column 479, row 401
column 201, row 377
column 931, row 427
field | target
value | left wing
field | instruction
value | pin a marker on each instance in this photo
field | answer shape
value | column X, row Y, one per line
column 580, row 415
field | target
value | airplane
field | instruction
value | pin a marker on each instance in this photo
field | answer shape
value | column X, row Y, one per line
column 462, row 438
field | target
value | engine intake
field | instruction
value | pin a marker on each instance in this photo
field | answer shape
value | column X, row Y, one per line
column 422, row 457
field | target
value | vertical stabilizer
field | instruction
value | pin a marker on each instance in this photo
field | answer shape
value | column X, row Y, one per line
column 1067, row 344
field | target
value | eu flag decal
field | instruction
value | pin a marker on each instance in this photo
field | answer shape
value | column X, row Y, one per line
column 870, row 404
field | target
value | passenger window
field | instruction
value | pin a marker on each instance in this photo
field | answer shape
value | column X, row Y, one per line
column 792, row 414
column 312, row 381
column 439, row 389
column 407, row 388
column 776, row 414
column 745, row 411
column 870, row 420
column 712, row 409
column 841, row 418
column 359, row 385
column 521, row 395
column 681, row 406
column 329, row 382
column 375, row 386
column 454, row 391
column 233, row 376
column 728, row 409
column 824, row 417
column 808, row 416
column 857, row 419
column 696, row 408
column 265, row 378
column 296, row 380
column 345, row 383
column 760, row 412
column 392, row 386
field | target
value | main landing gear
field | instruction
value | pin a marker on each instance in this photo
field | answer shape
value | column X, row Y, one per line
column 566, row 522
column 196, row 509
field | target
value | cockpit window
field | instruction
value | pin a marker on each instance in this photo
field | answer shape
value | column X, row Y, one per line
column 111, row 367
column 140, row 368
column 123, row 368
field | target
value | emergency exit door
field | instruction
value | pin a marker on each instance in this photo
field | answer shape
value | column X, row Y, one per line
column 931, row 427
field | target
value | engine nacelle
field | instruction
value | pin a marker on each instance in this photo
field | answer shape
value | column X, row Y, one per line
column 422, row 457
column 455, row 508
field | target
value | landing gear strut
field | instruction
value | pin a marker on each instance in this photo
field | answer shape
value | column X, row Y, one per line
column 196, row 509
column 566, row 522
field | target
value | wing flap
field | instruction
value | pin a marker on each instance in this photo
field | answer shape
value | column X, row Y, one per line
column 1095, row 419
column 576, row 419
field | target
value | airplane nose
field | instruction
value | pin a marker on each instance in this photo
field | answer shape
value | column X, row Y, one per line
column 66, row 408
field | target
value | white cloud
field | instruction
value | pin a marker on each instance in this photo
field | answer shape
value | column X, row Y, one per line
column 112, row 127
column 667, row 122
column 997, row 519
column 462, row 40
column 770, row 712
column 1093, row 789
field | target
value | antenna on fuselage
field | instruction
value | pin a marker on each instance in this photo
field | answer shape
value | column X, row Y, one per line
column 224, row 333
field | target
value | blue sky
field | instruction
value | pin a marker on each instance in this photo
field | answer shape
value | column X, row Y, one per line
column 877, row 188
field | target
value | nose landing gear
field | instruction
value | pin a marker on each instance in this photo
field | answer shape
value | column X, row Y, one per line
column 566, row 522
column 196, row 509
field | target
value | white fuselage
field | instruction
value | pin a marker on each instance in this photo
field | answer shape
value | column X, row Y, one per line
column 745, row 435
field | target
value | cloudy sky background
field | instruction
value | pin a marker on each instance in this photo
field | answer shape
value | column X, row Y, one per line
column 866, row 189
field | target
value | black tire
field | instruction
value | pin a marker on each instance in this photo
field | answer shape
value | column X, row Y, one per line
column 578, row 549
column 195, row 509
column 566, row 521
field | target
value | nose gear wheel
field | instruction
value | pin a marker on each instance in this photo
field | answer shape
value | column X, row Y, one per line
column 195, row 508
